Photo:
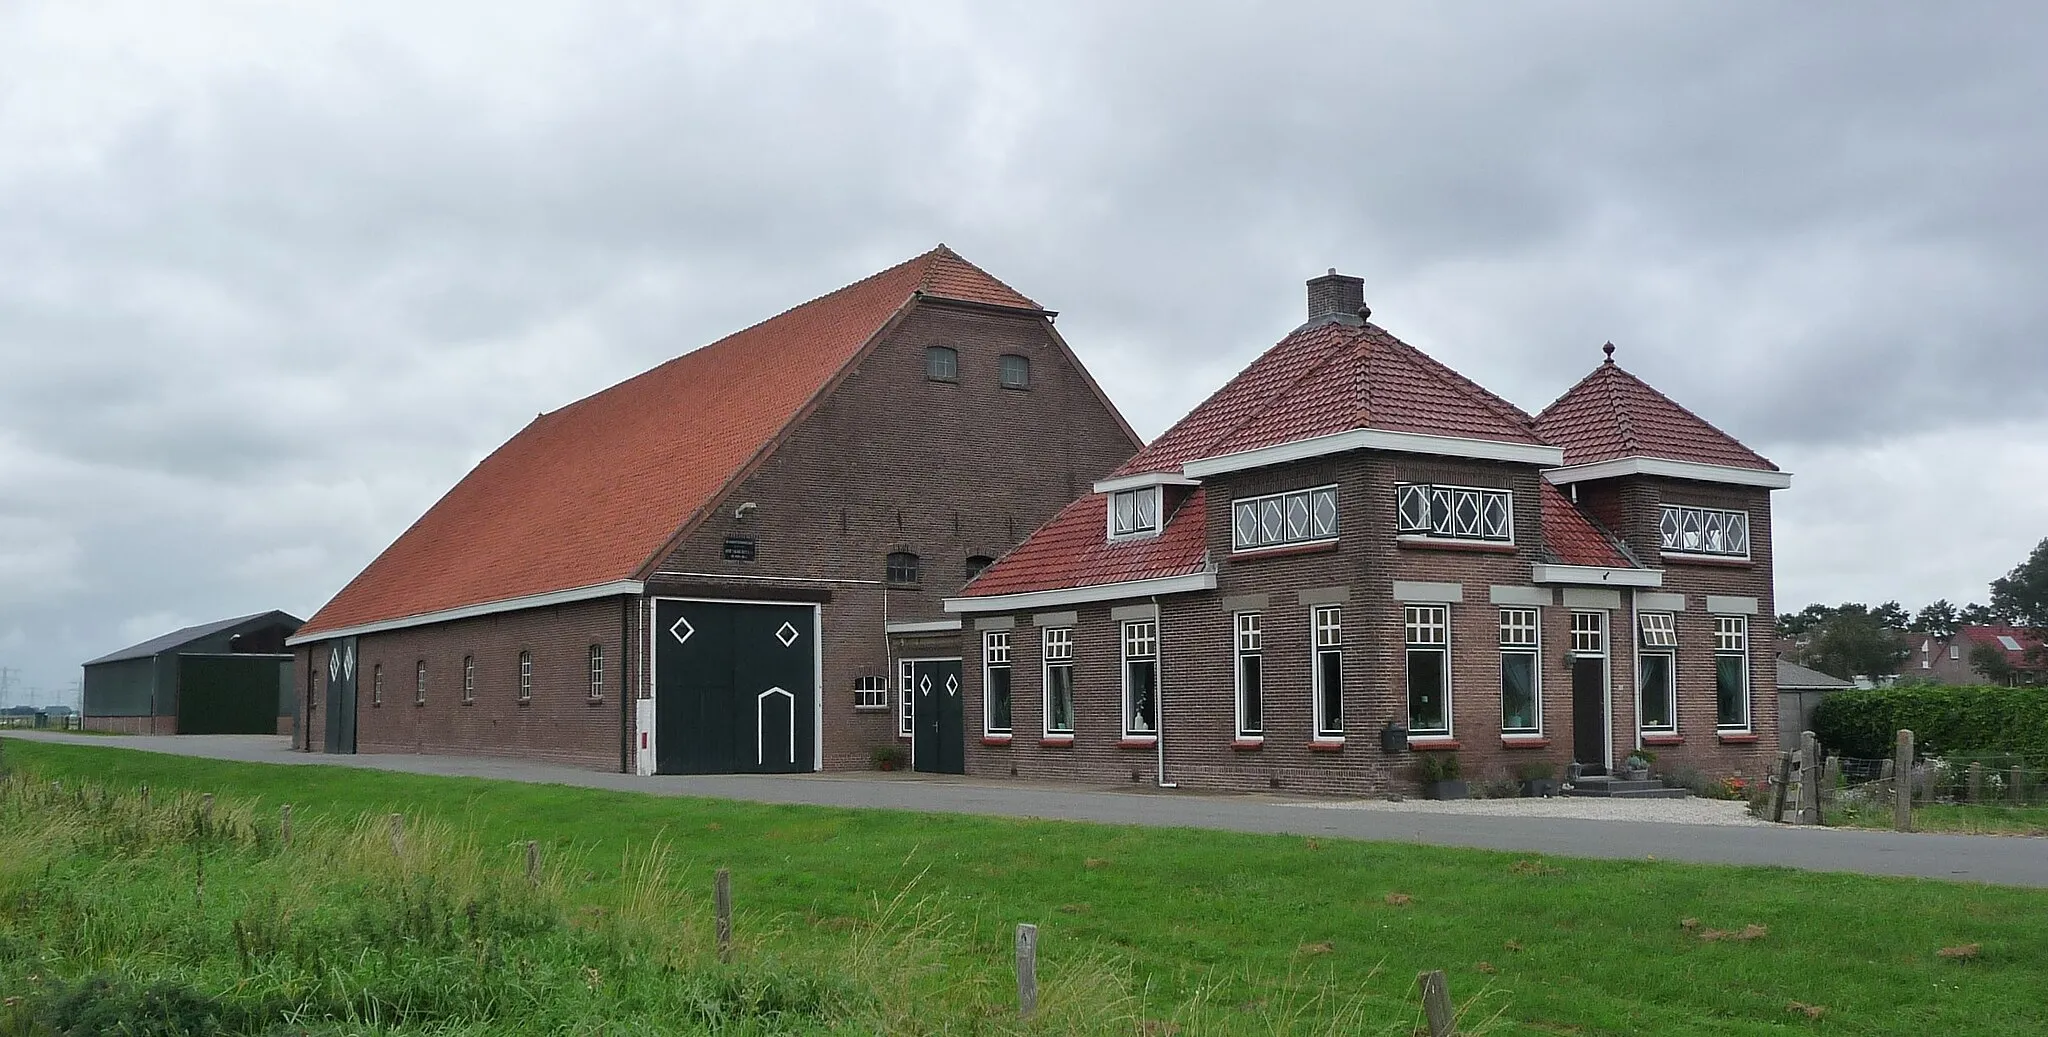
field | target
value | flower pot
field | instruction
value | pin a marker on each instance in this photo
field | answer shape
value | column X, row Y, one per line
column 1539, row 787
column 1445, row 790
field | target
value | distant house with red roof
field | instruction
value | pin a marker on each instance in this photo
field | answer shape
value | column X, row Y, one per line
column 718, row 565
column 1950, row 660
column 1351, row 554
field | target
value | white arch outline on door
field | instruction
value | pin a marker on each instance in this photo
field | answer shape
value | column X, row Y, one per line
column 760, row 732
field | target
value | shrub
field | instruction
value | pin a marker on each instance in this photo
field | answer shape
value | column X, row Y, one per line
column 1944, row 720
column 1439, row 766
column 1535, row 770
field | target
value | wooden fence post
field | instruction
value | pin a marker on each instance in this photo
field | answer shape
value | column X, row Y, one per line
column 1027, row 969
column 2012, row 787
column 532, row 863
column 284, row 825
column 397, row 835
column 145, row 797
column 1436, row 1003
column 1780, row 787
column 1902, row 766
column 1977, row 781
column 722, row 900
column 1809, row 778
column 206, row 808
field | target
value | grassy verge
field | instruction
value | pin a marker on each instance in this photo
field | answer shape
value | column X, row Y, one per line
column 1967, row 819
column 903, row 922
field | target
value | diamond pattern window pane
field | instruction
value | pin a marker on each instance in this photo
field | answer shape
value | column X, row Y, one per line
column 1704, row 531
column 1667, row 529
column 1270, row 521
column 1284, row 518
column 1738, row 533
column 1414, row 509
column 1440, row 504
column 1297, row 518
column 1496, row 523
column 1324, row 504
column 1247, row 523
column 1458, row 512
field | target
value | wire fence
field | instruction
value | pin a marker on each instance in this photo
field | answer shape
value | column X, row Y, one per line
column 1953, row 780
column 50, row 721
column 1974, row 789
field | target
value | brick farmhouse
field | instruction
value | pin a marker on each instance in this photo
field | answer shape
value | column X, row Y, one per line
column 1351, row 555
column 700, row 568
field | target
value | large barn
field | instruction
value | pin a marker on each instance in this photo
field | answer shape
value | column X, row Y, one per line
column 231, row 676
column 727, row 563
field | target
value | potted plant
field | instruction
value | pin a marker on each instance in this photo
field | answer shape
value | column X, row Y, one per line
column 1442, row 776
column 1637, row 766
column 1538, row 778
column 887, row 757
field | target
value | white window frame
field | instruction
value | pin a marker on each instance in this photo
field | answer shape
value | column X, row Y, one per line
column 995, row 655
column 419, row 693
column 1135, row 528
column 1140, row 644
column 1291, row 518
column 1405, row 523
column 596, row 656
column 1326, row 637
column 526, row 676
column 1955, row 652
column 1056, row 649
column 1249, row 642
column 1435, row 621
column 1589, row 640
column 1670, row 657
column 1672, row 533
column 468, row 679
column 1519, row 638
column 1731, row 641
column 871, row 692
column 904, row 717
column 1657, row 630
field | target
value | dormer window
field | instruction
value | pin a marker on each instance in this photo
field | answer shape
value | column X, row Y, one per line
column 1455, row 512
column 1134, row 513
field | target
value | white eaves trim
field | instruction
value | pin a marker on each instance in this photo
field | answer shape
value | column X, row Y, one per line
column 1375, row 439
column 931, row 626
column 1201, row 581
column 1132, row 482
column 531, row 601
column 1693, row 470
column 1597, row 575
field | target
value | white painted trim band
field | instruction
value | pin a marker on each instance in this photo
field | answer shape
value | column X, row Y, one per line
column 1731, row 605
column 1527, row 597
column 1596, row 575
column 1375, row 439
column 531, row 601
column 1650, row 602
column 1693, row 470
column 1434, row 593
column 929, row 626
column 1201, row 581
column 1132, row 482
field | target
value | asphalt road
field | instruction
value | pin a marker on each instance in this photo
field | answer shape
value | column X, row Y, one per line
column 1965, row 858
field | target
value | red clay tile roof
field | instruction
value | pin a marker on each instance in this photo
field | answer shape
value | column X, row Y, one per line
column 1989, row 635
column 591, row 493
column 1612, row 414
column 1073, row 550
column 1333, row 377
column 1574, row 538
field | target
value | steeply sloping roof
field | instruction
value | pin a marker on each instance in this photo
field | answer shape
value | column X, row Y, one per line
column 591, row 493
column 179, row 638
column 1573, row 538
column 1612, row 414
column 1794, row 677
column 1331, row 377
column 1073, row 550
column 1998, row 636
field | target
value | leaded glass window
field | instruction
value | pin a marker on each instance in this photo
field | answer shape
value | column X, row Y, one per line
column 1456, row 512
column 1708, row 531
column 1295, row 517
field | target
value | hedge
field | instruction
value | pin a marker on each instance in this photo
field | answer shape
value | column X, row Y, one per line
column 1864, row 724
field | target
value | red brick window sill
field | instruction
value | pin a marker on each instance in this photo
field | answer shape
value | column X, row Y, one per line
column 1245, row 745
column 1707, row 561
column 995, row 739
column 1739, row 739
column 1321, row 547
column 1326, row 745
column 1417, row 543
column 1433, row 745
column 1666, row 740
column 1138, row 742
column 1510, row 742
column 1057, row 741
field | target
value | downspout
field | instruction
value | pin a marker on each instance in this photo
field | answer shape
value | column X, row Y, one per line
column 1635, row 649
column 1159, row 697
column 625, row 684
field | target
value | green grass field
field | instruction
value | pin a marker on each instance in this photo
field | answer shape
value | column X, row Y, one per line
column 1968, row 819
column 903, row 923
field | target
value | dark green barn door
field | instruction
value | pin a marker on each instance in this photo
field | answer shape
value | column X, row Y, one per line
column 939, row 745
column 735, row 688
column 341, row 696
column 228, row 694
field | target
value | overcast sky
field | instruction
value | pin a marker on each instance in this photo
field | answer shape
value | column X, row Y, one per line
column 272, row 279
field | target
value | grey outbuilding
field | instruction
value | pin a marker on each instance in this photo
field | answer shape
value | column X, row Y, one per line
column 232, row 676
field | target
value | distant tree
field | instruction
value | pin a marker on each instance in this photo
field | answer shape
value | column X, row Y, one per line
column 1799, row 624
column 1939, row 619
column 1853, row 644
column 1990, row 661
column 1892, row 615
column 1976, row 614
column 2022, row 594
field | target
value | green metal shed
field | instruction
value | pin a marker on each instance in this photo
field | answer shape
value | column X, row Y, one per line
column 232, row 676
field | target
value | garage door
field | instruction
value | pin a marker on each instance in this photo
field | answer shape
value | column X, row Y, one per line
column 735, row 687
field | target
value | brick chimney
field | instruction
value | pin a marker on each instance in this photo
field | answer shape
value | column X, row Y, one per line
column 1338, row 296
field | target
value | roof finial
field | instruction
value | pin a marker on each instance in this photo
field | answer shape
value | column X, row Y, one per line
column 1609, row 350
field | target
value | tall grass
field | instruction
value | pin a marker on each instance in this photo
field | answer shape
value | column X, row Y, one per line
column 122, row 913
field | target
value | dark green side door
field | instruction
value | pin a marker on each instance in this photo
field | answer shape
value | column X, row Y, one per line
column 735, row 688
column 1589, row 713
column 341, row 695
column 939, row 738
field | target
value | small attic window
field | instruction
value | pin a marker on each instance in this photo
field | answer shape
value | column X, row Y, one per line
column 1134, row 513
column 942, row 363
column 1016, row 371
column 903, row 569
column 2010, row 643
column 977, row 564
